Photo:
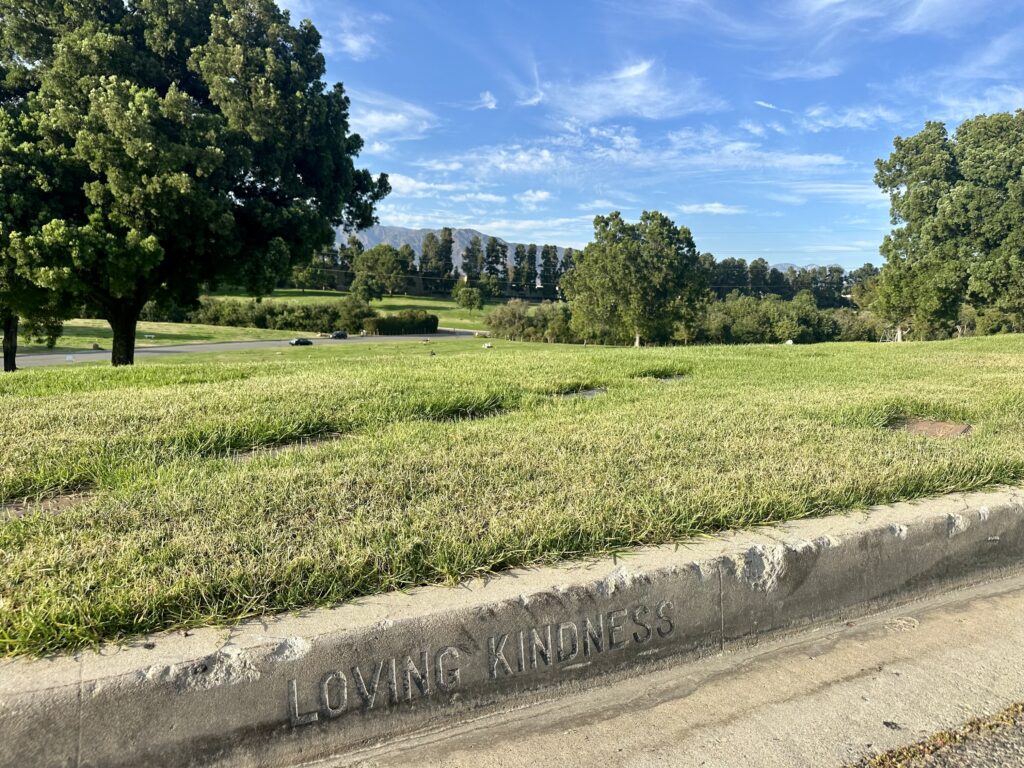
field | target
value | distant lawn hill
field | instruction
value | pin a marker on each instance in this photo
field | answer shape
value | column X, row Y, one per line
column 399, row 236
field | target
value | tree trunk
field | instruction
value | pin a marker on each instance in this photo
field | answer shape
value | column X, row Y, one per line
column 10, row 321
column 122, row 319
column 899, row 333
column 636, row 341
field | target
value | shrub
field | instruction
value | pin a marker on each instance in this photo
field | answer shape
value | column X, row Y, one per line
column 406, row 321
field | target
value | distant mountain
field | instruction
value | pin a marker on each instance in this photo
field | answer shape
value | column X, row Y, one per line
column 399, row 236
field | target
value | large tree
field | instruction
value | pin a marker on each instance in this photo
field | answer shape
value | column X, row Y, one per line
column 957, row 206
column 25, row 204
column 531, row 267
column 378, row 271
column 549, row 271
column 634, row 280
column 496, row 257
column 473, row 260
column 195, row 142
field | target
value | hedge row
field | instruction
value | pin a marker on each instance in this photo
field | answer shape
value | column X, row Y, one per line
column 406, row 321
column 346, row 314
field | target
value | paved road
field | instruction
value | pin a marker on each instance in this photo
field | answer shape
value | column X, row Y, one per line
column 826, row 698
column 62, row 358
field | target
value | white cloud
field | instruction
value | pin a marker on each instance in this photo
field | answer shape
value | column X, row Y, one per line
column 513, row 158
column 715, row 209
column 600, row 205
column 709, row 150
column 531, row 198
column 806, row 70
column 487, row 101
column 962, row 104
column 821, row 117
column 637, row 90
column 478, row 197
column 440, row 165
column 831, row 191
column 769, row 105
column 378, row 117
column 406, row 186
column 751, row 127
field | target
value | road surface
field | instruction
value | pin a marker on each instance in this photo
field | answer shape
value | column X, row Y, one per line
column 49, row 358
column 827, row 698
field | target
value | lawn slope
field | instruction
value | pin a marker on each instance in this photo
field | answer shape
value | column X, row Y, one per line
column 431, row 467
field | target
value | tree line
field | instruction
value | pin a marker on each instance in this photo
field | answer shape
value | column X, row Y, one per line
column 150, row 150
column 530, row 271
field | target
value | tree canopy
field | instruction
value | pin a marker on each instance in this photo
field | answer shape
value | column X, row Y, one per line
column 957, row 207
column 183, row 143
column 634, row 280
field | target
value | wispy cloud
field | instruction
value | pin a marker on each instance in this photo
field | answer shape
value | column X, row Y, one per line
column 715, row 209
column 478, row 197
column 531, row 198
column 598, row 205
column 379, row 117
column 406, row 186
column 824, row 20
column 487, row 101
column 853, row 193
column 641, row 89
column 961, row 104
column 769, row 105
column 806, row 70
column 820, row 117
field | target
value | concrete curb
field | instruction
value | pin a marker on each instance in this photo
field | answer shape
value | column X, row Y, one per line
column 299, row 688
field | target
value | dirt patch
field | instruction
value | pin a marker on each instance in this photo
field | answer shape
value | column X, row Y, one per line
column 13, row 510
column 584, row 394
column 932, row 428
column 276, row 449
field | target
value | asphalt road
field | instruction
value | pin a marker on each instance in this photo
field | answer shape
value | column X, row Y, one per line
column 830, row 697
column 62, row 358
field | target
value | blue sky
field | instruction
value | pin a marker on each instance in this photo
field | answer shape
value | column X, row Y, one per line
column 755, row 124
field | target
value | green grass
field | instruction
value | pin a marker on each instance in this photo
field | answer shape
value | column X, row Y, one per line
column 82, row 334
column 450, row 314
column 450, row 464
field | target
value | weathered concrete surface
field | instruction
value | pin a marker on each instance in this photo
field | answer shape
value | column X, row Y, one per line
column 304, row 687
column 825, row 699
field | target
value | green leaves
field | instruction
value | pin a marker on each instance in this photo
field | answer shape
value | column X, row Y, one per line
column 959, row 210
column 177, row 143
column 634, row 280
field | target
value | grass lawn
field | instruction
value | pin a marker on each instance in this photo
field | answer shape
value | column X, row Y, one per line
column 450, row 314
column 446, row 465
column 82, row 334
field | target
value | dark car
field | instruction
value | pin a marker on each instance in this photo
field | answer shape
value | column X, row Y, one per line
column 339, row 335
column 301, row 342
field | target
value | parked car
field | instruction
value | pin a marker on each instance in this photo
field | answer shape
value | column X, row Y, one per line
column 339, row 335
column 301, row 342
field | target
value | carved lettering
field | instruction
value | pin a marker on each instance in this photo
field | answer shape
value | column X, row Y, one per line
column 615, row 621
column 409, row 675
column 294, row 717
column 393, row 681
column 662, row 613
column 562, row 629
column 338, row 681
column 446, row 668
column 641, row 610
column 412, row 673
column 541, row 647
column 496, row 653
column 367, row 694
column 593, row 636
